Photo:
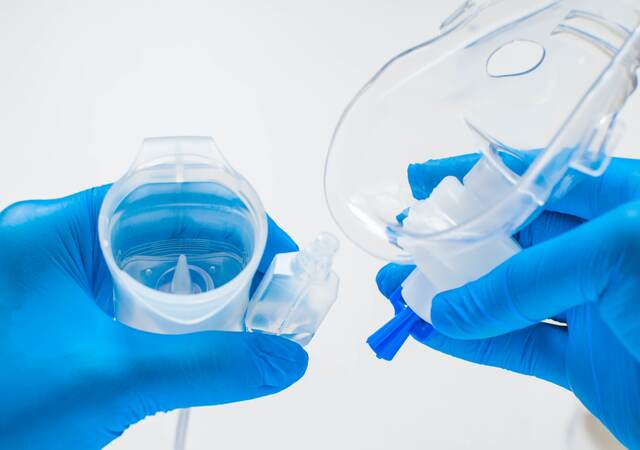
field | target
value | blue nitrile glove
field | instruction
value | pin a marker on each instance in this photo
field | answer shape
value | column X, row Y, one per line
column 580, row 266
column 73, row 378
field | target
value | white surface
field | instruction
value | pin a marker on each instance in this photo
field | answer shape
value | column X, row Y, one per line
column 81, row 83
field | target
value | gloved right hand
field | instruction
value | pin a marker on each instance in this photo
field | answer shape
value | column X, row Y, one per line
column 581, row 267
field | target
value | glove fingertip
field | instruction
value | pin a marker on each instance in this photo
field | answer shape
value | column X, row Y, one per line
column 391, row 276
column 280, row 239
column 381, row 277
column 444, row 316
column 420, row 187
column 424, row 177
column 283, row 362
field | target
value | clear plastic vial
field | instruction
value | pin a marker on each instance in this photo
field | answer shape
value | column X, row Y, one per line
column 296, row 293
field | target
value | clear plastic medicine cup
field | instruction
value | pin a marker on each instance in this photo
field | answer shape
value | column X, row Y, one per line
column 182, row 234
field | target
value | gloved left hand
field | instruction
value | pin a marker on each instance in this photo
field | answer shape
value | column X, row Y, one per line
column 72, row 377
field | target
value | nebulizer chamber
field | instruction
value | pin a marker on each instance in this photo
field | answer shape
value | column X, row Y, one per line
column 183, row 233
column 512, row 105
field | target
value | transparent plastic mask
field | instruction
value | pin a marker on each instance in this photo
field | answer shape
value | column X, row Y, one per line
column 531, row 88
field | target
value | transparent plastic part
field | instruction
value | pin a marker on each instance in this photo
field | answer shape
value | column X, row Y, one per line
column 454, row 144
column 182, row 234
column 297, row 292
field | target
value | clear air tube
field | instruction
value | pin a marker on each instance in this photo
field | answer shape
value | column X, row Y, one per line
column 182, row 427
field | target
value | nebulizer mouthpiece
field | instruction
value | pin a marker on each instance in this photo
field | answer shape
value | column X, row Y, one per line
column 456, row 143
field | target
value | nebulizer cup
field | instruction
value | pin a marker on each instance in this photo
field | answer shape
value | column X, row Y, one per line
column 182, row 234
column 456, row 143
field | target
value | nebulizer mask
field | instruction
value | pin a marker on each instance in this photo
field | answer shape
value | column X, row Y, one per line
column 521, row 96
column 183, row 234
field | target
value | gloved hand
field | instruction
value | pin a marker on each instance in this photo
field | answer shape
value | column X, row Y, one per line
column 581, row 267
column 72, row 377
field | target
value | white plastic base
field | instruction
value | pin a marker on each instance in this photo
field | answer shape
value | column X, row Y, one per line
column 447, row 264
column 138, row 312
column 418, row 290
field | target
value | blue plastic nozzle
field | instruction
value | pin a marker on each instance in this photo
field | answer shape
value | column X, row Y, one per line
column 386, row 342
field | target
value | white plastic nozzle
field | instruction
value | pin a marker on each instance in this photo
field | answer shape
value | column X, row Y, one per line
column 181, row 282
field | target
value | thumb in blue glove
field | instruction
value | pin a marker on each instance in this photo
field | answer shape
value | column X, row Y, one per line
column 581, row 268
column 72, row 377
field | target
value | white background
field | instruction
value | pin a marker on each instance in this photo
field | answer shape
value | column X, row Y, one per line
column 81, row 83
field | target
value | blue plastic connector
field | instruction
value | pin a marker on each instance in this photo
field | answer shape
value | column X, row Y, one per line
column 386, row 342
